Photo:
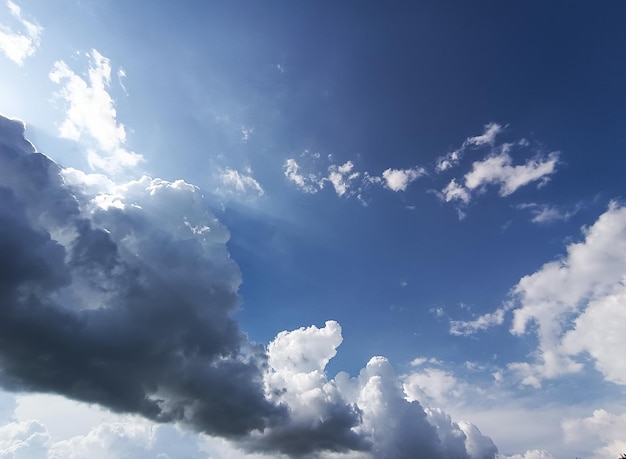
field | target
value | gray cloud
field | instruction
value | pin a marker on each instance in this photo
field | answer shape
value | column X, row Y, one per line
column 108, row 306
column 122, row 294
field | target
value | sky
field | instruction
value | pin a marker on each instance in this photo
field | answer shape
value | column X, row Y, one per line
column 312, row 229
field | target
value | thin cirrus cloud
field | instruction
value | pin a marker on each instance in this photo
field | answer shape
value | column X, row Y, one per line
column 18, row 46
column 91, row 117
column 239, row 183
column 545, row 213
column 128, row 292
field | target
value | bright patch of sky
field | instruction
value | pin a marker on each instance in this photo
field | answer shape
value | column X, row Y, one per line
column 267, row 230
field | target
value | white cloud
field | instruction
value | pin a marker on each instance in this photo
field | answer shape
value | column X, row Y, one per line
column 607, row 427
column 584, row 293
column 17, row 46
column 455, row 192
column 544, row 213
column 498, row 170
column 393, row 425
column 481, row 323
column 488, row 137
column 304, row 183
column 242, row 183
column 91, row 115
column 399, row 179
column 430, row 385
column 452, row 159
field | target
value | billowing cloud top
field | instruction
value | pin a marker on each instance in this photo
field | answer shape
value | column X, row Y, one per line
column 121, row 294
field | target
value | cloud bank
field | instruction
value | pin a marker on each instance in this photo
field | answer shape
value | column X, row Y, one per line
column 121, row 294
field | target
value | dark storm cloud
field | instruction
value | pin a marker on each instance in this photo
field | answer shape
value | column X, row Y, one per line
column 122, row 294
column 147, row 332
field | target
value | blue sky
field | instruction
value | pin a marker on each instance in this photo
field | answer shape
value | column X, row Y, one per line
column 348, row 212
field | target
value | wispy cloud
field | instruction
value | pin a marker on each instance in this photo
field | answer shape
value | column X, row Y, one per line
column 240, row 183
column 545, row 213
column 17, row 46
column 481, row 323
column 91, row 116
column 452, row 159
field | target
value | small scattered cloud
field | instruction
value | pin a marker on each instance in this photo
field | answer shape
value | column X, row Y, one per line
column 499, row 170
column 545, row 213
column 452, row 159
column 399, row 179
column 345, row 180
column 239, row 183
column 18, row 46
column 91, row 116
column 481, row 323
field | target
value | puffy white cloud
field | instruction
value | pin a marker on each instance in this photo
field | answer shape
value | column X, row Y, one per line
column 606, row 427
column 455, row 192
column 91, row 115
column 583, row 293
column 17, row 46
column 241, row 183
column 27, row 439
column 599, row 331
column 399, row 179
column 499, row 170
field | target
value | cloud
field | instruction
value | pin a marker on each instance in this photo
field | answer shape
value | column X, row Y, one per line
column 488, row 136
column 399, row 179
column 544, row 213
column 18, row 46
column 121, row 294
column 609, row 428
column 455, row 192
column 499, row 170
column 345, row 180
column 241, row 183
column 481, row 323
column 308, row 184
column 452, row 159
column 91, row 116
column 575, row 304
column 123, row 305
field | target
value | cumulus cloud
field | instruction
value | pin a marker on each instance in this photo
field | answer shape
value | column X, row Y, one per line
column 606, row 427
column 499, row 170
column 576, row 304
column 91, row 116
column 122, row 305
column 18, row 46
column 240, row 183
column 121, row 294
column 399, row 179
